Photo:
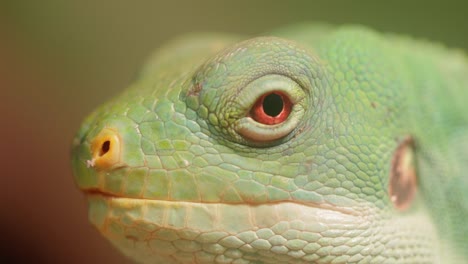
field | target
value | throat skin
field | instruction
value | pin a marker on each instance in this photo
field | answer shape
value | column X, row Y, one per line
column 308, row 144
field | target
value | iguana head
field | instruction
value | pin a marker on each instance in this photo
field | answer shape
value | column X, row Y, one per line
column 265, row 150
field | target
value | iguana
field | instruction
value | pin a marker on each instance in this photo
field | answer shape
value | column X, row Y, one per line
column 308, row 144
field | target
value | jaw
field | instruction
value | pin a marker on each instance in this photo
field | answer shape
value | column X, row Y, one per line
column 188, row 232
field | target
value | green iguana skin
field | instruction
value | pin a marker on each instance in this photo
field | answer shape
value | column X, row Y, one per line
column 189, row 165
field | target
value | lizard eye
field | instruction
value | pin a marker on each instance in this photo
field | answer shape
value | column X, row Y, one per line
column 273, row 106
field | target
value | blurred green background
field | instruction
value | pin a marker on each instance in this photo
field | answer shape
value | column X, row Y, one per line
column 60, row 59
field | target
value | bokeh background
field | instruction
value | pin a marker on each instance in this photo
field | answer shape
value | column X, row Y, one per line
column 60, row 59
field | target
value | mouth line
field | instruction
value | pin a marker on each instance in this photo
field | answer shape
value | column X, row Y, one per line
column 324, row 206
column 98, row 192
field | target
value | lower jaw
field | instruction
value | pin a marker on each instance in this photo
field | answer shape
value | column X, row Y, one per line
column 231, row 218
column 153, row 231
column 188, row 232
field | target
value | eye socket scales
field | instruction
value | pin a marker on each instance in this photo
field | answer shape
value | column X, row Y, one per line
column 279, row 76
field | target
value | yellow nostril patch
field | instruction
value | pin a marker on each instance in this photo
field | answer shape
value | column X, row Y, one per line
column 105, row 149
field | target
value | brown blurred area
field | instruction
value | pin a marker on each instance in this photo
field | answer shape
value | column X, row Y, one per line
column 60, row 59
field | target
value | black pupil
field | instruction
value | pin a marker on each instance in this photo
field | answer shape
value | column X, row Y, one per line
column 273, row 104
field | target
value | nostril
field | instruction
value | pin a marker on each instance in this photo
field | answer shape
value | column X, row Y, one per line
column 104, row 148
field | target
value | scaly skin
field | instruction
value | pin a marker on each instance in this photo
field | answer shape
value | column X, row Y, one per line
column 178, row 169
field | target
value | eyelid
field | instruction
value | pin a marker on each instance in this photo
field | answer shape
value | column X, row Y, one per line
column 254, row 132
column 251, row 92
column 258, row 132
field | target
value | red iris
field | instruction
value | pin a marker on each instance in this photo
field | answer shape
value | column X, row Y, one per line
column 271, row 108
